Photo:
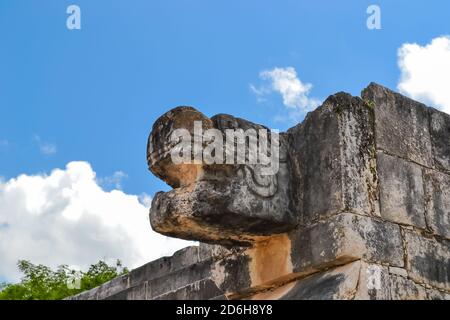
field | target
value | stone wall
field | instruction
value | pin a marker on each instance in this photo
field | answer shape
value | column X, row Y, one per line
column 367, row 183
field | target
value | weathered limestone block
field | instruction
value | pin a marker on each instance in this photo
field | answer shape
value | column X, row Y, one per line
column 190, row 281
column 344, row 238
column 232, row 275
column 433, row 294
column 133, row 286
column 181, row 259
column 200, row 290
column 181, row 278
column 227, row 203
column 356, row 280
column 157, row 286
column 398, row 271
column 138, row 292
column 401, row 124
column 339, row 283
column 440, row 132
column 261, row 267
column 428, row 260
column 437, row 186
column 333, row 160
column 86, row 295
column 340, row 240
column 376, row 282
column 405, row 289
column 216, row 252
column 336, row 284
column 402, row 197
column 113, row 287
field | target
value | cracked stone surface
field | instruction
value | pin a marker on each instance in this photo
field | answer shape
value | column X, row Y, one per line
column 402, row 196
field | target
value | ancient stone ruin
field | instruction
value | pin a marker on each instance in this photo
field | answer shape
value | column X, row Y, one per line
column 359, row 209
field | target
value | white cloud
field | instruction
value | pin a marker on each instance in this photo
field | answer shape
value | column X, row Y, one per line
column 113, row 181
column 67, row 218
column 46, row 148
column 425, row 72
column 294, row 92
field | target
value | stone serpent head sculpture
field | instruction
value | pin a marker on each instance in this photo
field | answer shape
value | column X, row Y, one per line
column 230, row 198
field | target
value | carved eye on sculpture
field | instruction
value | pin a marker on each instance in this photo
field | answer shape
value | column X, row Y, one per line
column 163, row 140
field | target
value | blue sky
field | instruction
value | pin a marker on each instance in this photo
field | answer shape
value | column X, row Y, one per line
column 93, row 94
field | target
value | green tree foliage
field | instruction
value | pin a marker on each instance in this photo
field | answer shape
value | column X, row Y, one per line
column 42, row 283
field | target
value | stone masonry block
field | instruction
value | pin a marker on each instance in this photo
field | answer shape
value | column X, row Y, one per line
column 437, row 295
column 138, row 292
column 401, row 124
column 178, row 279
column 157, row 268
column 437, row 186
column 402, row 198
column 337, row 283
column 86, row 295
column 332, row 157
column 339, row 240
column 200, row 290
column 113, row 287
column 346, row 237
column 428, row 260
column 377, row 283
column 356, row 280
column 440, row 133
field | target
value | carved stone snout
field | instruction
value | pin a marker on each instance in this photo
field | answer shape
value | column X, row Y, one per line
column 225, row 190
